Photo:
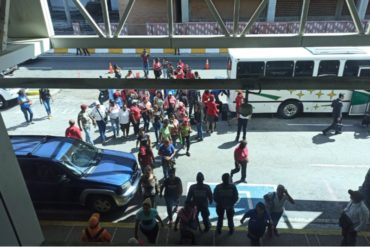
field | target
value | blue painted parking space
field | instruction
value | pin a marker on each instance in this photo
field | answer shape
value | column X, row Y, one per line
column 249, row 196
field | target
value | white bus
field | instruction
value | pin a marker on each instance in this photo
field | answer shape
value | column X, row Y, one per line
column 301, row 62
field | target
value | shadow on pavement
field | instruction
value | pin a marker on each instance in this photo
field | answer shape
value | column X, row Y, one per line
column 228, row 145
column 321, row 139
column 24, row 124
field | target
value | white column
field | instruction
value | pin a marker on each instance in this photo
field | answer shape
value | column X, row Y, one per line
column 271, row 11
column 4, row 18
column 185, row 11
column 361, row 7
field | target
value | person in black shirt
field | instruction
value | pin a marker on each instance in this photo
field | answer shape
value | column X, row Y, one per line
column 45, row 98
column 172, row 187
column 201, row 195
column 337, row 106
column 198, row 118
column 225, row 196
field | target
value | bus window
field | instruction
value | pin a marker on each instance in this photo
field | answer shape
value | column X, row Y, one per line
column 351, row 69
column 328, row 68
column 250, row 69
column 303, row 68
column 280, row 68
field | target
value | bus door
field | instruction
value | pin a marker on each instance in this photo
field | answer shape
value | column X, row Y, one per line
column 360, row 101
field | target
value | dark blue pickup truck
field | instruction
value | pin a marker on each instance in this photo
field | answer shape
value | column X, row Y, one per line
column 65, row 170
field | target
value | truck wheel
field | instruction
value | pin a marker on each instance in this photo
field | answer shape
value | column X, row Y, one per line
column 289, row 109
column 3, row 103
column 101, row 204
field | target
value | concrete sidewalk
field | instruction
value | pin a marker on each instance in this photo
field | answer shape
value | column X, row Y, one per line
column 68, row 233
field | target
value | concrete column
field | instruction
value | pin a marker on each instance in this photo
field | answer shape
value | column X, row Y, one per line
column 339, row 9
column 68, row 12
column 362, row 7
column 185, row 11
column 4, row 18
column 271, row 11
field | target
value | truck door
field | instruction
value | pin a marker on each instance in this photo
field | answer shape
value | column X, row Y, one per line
column 360, row 101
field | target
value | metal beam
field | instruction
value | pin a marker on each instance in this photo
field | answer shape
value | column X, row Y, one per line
column 304, row 14
column 88, row 18
column 170, row 17
column 236, row 17
column 217, row 17
column 355, row 17
column 67, row 11
column 213, row 41
column 254, row 17
column 124, row 17
column 104, row 7
column 306, row 83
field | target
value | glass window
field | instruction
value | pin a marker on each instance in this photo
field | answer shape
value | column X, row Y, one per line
column 250, row 69
column 303, row 68
column 280, row 68
column 352, row 67
column 328, row 68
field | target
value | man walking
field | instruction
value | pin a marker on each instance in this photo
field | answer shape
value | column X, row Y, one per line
column 99, row 116
column 145, row 58
column 241, row 160
column 337, row 106
column 201, row 195
column 167, row 152
column 225, row 196
column 45, row 97
column 354, row 218
column 172, row 187
column 84, row 122
column 244, row 113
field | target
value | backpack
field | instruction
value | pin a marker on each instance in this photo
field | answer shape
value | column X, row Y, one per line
column 246, row 109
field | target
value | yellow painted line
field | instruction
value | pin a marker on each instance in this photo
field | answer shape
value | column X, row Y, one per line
column 91, row 50
column 198, row 50
column 61, row 50
column 140, row 50
column 115, row 50
column 168, row 51
column 32, row 92
column 223, row 50
column 320, row 232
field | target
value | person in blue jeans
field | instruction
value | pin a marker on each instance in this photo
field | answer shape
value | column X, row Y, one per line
column 45, row 97
column 25, row 104
column 198, row 117
column 172, row 187
column 257, row 224
column 167, row 152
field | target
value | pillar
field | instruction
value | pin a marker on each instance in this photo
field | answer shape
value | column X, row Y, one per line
column 271, row 11
column 4, row 18
column 185, row 10
column 68, row 12
column 362, row 7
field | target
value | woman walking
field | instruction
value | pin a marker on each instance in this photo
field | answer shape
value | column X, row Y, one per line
column 124, row 121
column 25, row 104
column 114, row 117
column 45, row 97
column 185, row 130
column 149, row 185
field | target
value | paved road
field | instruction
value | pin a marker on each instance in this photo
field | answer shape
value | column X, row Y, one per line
column 317, row 170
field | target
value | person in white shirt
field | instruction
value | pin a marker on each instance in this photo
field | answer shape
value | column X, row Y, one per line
column 275, row 202
column 354, row 218
column 124, row 120
column 99, row 114
column 113, row 112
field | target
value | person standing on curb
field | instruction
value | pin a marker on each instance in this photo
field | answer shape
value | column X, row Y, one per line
column 225, row 196
column 25, row 104
column 241, row 161
column 275, row 202
column 73, row 131
column 259, row 220
column 45, row 97
column 172, row 187
column 84, row 123
column 94, row 232
column 146, row 219
column 99, row 116
column 353, row 218
column 201, row 195
column 337, row 106
column 145, row 58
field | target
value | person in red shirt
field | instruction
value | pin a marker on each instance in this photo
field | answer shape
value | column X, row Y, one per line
column 157, row 68
column 212, row 113
column 189, row 74
column 73, row 131
column 239, row 101
column 241, row 160
column 205, row 99
column 145, row 157
column 181, row 64
column 179, row 73
column 135, row 117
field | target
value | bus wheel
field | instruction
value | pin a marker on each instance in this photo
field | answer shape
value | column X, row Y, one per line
column 289, row 109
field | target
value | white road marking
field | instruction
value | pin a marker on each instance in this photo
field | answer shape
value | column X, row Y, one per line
column 339, row 166
column 324, row 124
